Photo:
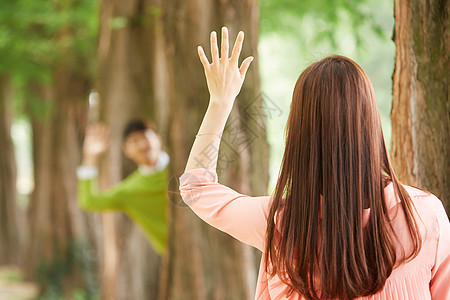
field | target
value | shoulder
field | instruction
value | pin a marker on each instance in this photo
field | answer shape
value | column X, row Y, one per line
column 426, row 201
column 427, row 208
column 430, row 210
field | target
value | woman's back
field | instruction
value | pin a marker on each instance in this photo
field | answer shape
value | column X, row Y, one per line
column 426, row 276
column 415, row 279
column 333, row 228
column 334, row 166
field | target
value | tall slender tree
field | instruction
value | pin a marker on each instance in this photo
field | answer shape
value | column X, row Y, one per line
column 8, row 227
column 421, row 106
column 57, row 224
column 58, row 254
column 202, row 262
column 130, row 266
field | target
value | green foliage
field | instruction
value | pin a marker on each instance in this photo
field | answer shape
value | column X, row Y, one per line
column 118, row 22
column 80, row 256
column 36, row 36
column 10, row 274
column 295, row 33
column 325, row 18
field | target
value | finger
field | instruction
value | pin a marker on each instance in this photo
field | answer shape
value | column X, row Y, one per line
column 237, row 47
column 95, row 129
column 106, row 131
column 224, row 50
column 245, row 65
column 202, row 56
column 101, row 132
column 99, row 127
column 214, row 48
column 102, row 129
column 89, row 129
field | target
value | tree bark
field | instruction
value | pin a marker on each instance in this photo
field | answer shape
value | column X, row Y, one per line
column 202, row 262
column 59, row 238
column 421, row 107
column 130, row 265
column 8, row 223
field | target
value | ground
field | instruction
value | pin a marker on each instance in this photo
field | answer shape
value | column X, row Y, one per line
column 13, row 287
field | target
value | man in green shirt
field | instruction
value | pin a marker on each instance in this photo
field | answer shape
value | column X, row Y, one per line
column 142, row 195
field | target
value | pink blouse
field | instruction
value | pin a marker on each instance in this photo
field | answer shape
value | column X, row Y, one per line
column 427, row 276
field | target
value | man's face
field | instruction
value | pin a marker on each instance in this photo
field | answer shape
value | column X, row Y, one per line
column 142, row 147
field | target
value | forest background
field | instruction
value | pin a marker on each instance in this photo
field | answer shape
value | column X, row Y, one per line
column 141, row 57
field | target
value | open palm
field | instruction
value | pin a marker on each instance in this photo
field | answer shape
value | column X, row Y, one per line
column 223, row 75
column 96, row 140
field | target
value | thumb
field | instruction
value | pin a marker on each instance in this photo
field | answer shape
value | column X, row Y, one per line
column 245, row 65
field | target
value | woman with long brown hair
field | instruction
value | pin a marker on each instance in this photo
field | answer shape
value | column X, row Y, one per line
column 339, row 225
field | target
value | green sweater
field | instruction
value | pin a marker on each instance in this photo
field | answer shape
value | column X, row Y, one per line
column 142, row 197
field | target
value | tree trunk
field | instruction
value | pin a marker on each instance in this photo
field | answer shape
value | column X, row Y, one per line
column 421, row 107
column 59, row 243
column 8, row 225
column 202, row 262
column 130, row 265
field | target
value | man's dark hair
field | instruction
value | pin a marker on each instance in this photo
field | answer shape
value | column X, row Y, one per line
column 137, row 125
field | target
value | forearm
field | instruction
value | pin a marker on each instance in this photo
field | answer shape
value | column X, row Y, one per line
column 213, row 124
column 224, row 78
column 96, row 142
column 89, row 198
column 89, row 161
column 87, row 178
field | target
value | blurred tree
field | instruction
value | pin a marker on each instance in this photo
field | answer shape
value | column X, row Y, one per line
column 144, row 56
column 147, row 67
column 8, row 227
column 46, row 52
column 130, row 266
column 57, row 225
column 421, row 106
column 202, row 262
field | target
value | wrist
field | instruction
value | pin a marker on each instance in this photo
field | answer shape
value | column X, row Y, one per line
column 90, row 161
column 220, row 104
column 215, row 118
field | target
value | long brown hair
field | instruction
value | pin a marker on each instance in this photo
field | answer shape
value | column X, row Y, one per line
column 335, row 165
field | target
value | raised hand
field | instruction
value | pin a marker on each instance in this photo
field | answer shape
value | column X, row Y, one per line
column 155, row 144
column 224, row 76
column 225, row 79
column 96, row 142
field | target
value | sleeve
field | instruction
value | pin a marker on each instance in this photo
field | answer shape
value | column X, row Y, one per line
column 89, row 198
column 440, row 272
column 163, row 161
column 241, row 216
